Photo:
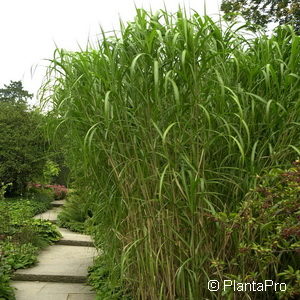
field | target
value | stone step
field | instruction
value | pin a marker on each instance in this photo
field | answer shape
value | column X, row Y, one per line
column 60, row 263
column 50, row 215
column 58, row 203
column 74, row 239
column 35, row 290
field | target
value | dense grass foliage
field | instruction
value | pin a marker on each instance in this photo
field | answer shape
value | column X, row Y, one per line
column 74, row 213
column 166, row 124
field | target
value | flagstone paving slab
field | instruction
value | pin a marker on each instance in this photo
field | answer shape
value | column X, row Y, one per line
column 50, row 215
column 73, row 238
column 36, row 290
column 58, row 203
column 60, row 263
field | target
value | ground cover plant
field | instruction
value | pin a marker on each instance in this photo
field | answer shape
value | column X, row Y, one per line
column 262, row 235
column 169, row 126
column 21, row 236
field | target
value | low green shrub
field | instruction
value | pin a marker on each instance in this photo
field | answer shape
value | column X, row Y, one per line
column 6, row 292
column 14, row 256
column 37, row 201
column 3, row 188
column 16, row 222
column 45, row 230
column 101, row 279
column 261, row 241
column 41, row 201
column 51, row 170
column 56, row 191
column 18, row 256
column 21, row 236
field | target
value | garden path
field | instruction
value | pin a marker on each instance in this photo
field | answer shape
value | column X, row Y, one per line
column 62, row 269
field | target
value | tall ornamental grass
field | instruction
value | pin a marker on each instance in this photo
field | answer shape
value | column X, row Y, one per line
column 165, row 123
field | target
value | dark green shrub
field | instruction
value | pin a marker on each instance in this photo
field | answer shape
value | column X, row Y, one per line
column 22, row 143
column 45, row 230
column 18, row 256
column 104, row 282
column 261, row 241
column 6, row 292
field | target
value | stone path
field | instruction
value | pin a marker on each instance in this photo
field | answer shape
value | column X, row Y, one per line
column 50, row 215
column 61, row 272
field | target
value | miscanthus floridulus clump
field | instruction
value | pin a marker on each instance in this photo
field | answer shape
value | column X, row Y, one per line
column 166, row 125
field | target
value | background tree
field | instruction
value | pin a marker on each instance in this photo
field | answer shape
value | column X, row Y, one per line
column 14, row 93
column 263, row 12
column 22, row 142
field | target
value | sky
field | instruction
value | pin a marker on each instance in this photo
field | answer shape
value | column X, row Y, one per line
column 31, row 30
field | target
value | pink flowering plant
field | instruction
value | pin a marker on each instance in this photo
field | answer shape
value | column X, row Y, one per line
column 60, row 191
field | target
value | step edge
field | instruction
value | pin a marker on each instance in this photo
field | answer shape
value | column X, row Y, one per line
column 75, row 243
column 49, row 278
column 57, row 204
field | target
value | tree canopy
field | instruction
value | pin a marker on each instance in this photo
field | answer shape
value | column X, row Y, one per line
column 22, row 143
column 14, row 93
column 263, row 12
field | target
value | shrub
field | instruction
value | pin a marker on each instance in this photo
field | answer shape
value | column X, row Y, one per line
column 17, row 223
column 3, row 188
column 6, row 291
column 58, row 191
column 18, row 256
column 261, row 241
column 22, row 143
column 101, row 279
column 51, row 170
